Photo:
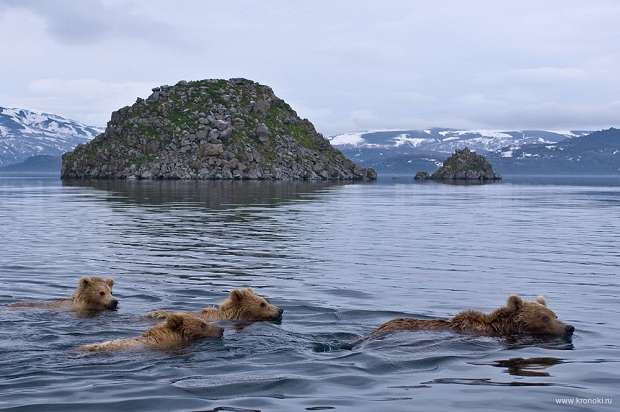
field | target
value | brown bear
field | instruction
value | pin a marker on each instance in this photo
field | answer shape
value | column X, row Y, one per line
column 179, row 329
column 92, row 294
column 518, row 318
column 241, row 304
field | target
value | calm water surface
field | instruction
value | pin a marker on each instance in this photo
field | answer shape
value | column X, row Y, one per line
column 340, row 259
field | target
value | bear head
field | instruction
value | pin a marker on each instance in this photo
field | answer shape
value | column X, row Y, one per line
column 244, row 304
column 534, row 318
column 95, row 293
column 189, row 327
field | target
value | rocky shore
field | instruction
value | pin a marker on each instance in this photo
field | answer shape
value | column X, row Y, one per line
column 463, row 165
column 211, row 129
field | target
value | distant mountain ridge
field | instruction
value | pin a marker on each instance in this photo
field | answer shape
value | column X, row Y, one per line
column 447, row 140
column 26, row 133
column 598, row 152
column 513, row 152
column 42, row 163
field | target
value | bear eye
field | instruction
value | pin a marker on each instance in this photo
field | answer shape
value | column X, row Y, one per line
column 102, row 293
column 263, row 304
column 546, row 318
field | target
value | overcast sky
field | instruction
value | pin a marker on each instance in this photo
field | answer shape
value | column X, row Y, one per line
column 345, row 65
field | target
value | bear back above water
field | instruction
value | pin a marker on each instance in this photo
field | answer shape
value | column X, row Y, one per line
column 241, row 304
column 517, row 318
column 179, row 329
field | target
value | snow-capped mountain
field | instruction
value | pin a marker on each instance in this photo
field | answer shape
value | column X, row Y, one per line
column 448, row 140
column 26, row 133
column 510, row 151
column 598, row 152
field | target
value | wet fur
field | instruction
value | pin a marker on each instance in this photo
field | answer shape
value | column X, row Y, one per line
column 92, row 294
column 517, row 317
column 241, row 304
column 179, row 329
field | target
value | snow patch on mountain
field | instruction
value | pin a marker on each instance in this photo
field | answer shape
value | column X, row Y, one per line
column 482, row 132
column 403, row 138
column 445, row 140
column 348, row 139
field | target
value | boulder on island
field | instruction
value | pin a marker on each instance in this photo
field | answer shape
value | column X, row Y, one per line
column 210, row 129
column 463, row 165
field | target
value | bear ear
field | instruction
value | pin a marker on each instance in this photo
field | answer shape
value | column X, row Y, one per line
column 236, row 295
column 174, row 322
column 514, row 303
column 109, row 282
column 541, row 299
column 84, row 282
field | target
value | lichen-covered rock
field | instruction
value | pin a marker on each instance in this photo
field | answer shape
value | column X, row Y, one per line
column 210, row 129
column 465, row 165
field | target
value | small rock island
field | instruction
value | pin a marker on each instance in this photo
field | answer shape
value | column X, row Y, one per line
column 211, row 129
column 463, row 165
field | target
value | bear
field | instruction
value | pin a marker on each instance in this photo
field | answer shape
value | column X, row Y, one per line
column 517, row 318
column 241, row 304
column 178, row 330
column 93, row 294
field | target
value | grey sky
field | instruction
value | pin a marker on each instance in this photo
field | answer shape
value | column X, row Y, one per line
column 346, row 65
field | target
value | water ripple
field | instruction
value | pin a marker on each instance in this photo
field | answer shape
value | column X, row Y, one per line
column 340, row 259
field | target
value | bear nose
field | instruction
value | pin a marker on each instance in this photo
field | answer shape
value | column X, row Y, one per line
column 114, row 304
column 280, row 311
column 570, row 329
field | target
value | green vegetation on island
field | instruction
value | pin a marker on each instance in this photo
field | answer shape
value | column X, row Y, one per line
column 210, row 129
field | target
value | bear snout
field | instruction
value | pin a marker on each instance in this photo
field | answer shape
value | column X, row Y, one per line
column 113, row 304
column 213, row 331
column 569, row 330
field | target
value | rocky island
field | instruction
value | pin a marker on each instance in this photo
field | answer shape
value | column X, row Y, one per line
column 463, row 165
column 210, row 129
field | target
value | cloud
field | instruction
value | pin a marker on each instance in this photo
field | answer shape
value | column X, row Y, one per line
column 87, row 22
column 88, row 100
column 547, row 74
column 346, row 65
column 555, row 115
column 87, row 88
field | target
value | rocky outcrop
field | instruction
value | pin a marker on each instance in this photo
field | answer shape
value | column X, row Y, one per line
column 463, row 165
column 210, row 129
